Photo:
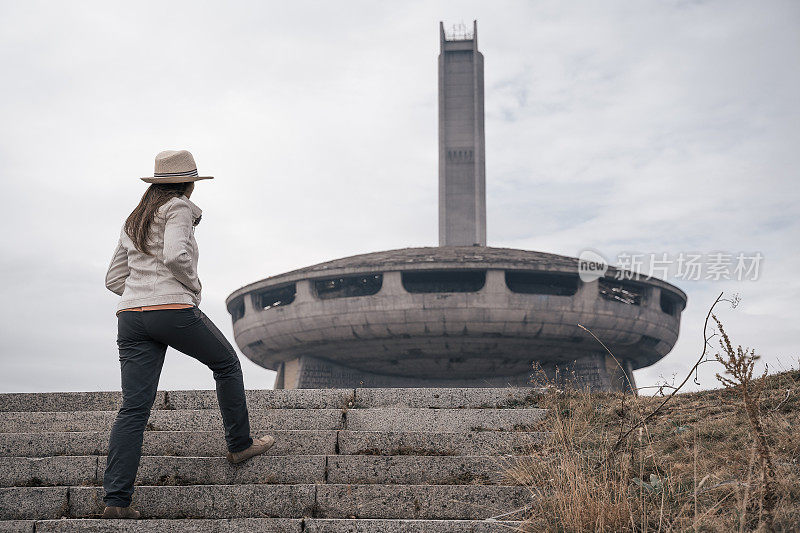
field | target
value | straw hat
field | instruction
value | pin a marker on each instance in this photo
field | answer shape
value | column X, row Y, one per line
column 175, row 166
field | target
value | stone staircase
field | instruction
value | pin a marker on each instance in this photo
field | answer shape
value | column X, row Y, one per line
column 345, row 460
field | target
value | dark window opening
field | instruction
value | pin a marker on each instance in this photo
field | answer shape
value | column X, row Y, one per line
column 542, row 283
column 236, row 309
column 346, row 287
column 647, row 342
column 275, row 297
column 444, row 281
column 669, row 304
column 621, row 291
column 460, row 156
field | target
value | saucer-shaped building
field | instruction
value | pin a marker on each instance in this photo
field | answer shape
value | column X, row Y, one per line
column 460, row 314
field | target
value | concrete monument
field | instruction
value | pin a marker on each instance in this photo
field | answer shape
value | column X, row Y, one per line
column 461, row 314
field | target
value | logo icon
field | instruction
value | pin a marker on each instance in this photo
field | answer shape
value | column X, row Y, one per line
column 591, row 266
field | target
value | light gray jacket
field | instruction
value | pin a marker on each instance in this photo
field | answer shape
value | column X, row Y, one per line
column 170, row 274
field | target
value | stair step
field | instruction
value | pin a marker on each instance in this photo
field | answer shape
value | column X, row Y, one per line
column 192, row 501
column 170, row 400
column 19, row 503
column 265, row 399
column 373, row 419
column 362, row 469
column 291, row 442
column 448, row 398
column 47, row 471
column 472, row 502
column 438, row 502
column 475, row 398
column 414, row 419
column 179, row 443
column 422, row 469
column 430, row 443
column 67, row 470
column 17, row 526
column 255, row 525
column 371, row 525
column 172, row 420
column 166, row 525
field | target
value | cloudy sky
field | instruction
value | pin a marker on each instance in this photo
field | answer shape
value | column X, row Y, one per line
column 624, row 127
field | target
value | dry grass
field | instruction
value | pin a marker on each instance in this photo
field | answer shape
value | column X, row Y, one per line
column 694, row 466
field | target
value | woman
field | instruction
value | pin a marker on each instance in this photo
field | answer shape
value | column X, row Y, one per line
column 154, row 269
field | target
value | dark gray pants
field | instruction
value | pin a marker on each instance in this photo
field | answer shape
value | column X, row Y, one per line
column 142, row 338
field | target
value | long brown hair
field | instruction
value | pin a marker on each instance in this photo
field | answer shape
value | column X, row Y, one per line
column 137, row 225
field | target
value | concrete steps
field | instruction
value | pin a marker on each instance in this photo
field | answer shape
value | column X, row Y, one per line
column 372, row 419
column 171, row 470
column 255, row 525
column 501, row 398
column 294, row 442
column 240, row 501
column 345, row 460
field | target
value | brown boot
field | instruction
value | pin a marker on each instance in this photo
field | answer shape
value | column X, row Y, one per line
column 121, row 512
column 259, row 446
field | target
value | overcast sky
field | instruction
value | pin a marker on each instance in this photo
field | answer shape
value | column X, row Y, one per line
column 649, row 127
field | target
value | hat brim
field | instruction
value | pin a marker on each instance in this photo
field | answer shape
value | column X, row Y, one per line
column 176, row 179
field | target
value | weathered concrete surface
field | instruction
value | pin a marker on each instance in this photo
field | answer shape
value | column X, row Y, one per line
column 244, row 525
column 408, row 419
column 474, row 502
column 21, row 503
column 179, row 443
column 418, row 470
column 217, row 471
column 447, row 398
column 204, row 501
column 452, row 397
column 17, row 526
column 341, row 525
column 46, row 471
column 67, row 401
column 373, row 419
column 265, row 399
column 427, row 443
column 257, row 525
column 402, row 469
column 236, row 525
column 265, row 469
column 164, row 470
column 310, row 372
column 171, row 420
column 180, row 399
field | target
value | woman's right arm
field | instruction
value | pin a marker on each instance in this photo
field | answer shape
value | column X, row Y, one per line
column 118, row 270
column 177, row 245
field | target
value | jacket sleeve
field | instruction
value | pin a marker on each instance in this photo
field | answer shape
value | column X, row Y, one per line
column 177, row 245
column 118, row 270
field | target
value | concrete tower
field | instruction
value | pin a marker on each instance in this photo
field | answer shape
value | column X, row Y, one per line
column 462, row 163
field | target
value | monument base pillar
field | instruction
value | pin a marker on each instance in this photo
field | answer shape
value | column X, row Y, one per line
column 597, row 371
